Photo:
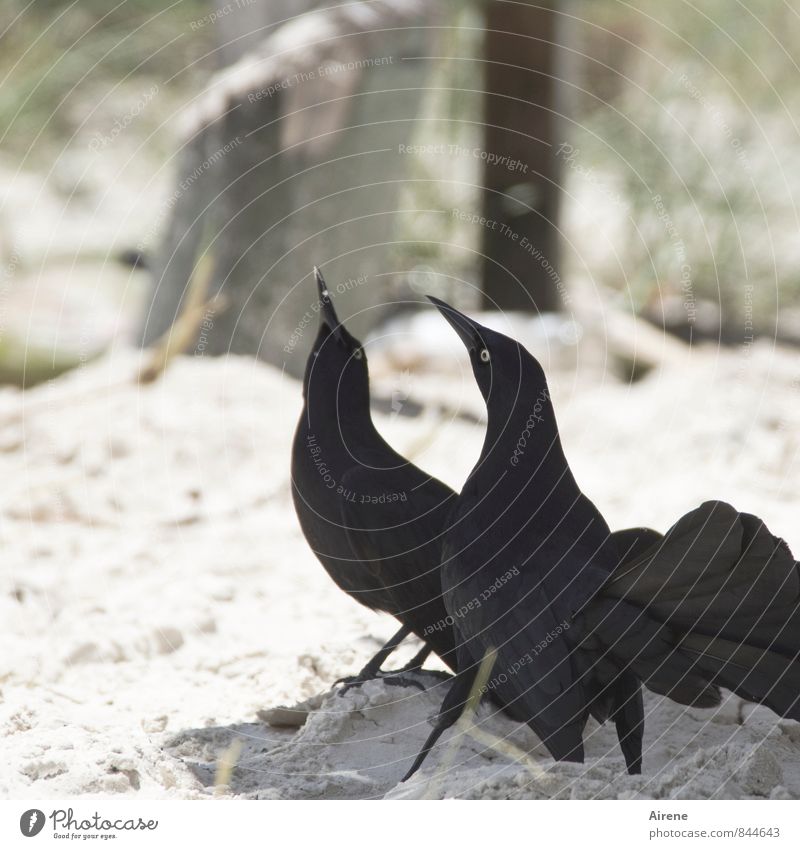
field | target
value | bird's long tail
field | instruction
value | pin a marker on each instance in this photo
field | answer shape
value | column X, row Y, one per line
column 716, row 603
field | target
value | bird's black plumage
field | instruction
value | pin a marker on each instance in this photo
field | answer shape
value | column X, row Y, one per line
column 574, row 629
column 374, row 519
column 728, row 592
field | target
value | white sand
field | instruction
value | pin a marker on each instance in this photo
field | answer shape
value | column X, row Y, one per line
column 157, row 593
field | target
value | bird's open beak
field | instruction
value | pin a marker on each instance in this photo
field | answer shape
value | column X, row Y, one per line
column 467, row 330
column 328, row 312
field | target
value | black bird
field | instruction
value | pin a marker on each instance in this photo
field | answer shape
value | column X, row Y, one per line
column 715, row 603
column 374, row 520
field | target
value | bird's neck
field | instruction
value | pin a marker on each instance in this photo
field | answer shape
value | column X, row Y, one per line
column 522, row 443
column 337, row 389
column 338, row 412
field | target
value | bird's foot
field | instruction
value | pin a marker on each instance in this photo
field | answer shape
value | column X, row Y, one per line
column 438, row 674
column 350, row 681
column 402, row 681
column 392, row 679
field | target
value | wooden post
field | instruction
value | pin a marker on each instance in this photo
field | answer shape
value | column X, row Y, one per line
column 521, row 193
column 292, row 160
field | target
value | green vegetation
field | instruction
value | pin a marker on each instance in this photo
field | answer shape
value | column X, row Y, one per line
column 62, row 60
column 687, row 117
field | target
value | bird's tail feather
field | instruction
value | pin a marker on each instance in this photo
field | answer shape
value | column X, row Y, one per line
column 755, row 674
column 629, row 638
column 718, row 603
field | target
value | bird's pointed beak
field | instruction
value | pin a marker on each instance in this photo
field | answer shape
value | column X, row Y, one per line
column 468, row 331
column 328, row 312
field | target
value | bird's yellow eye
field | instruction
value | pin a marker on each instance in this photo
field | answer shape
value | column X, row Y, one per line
column 357, row 353
column 485, row 356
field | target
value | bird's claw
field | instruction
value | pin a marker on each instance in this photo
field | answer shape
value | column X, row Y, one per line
column 438, row 674
column 392, row 680
column 349, row 682
column 403, row 681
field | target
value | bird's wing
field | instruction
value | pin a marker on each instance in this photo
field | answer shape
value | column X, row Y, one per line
column 515, row 613
column 704, row 540
column 395, row 521
column 729, row 591
column 717, row 569
column 632, row 543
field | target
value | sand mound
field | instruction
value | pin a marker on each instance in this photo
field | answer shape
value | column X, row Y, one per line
column 157, row 596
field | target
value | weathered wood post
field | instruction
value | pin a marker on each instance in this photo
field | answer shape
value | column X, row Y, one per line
column 292, row 160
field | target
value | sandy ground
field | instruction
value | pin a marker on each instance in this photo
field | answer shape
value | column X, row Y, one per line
column 158, row 600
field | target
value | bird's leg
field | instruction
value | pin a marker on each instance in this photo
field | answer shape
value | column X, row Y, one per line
column 399, row 677
column 452, row 707
column 416, row 662
column 373, row 669
column 628, row 716
column 415, row 665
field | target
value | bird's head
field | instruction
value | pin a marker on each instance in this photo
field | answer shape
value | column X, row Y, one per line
column 505, row 372
column 521, row 428
column 337, row 362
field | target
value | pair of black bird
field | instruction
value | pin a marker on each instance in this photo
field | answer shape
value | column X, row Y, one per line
column 523, row 564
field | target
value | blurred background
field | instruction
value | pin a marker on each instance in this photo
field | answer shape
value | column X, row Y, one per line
column 613, row 183
column 567, row 161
